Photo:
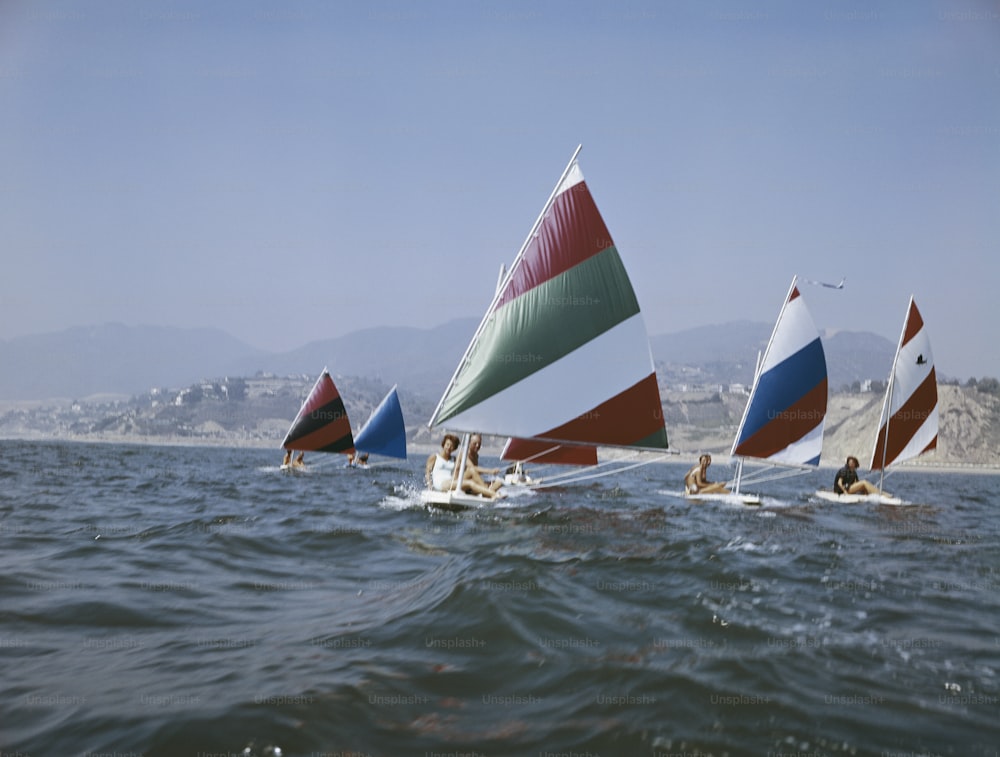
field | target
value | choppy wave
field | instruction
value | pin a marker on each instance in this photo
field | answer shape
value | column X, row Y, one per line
column 181, row 601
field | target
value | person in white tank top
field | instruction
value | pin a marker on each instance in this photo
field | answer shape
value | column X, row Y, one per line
column 439, row 473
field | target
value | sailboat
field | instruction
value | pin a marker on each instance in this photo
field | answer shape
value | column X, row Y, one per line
column 384, row 433
column 562, row 354
column 908, row 425
column 321, row 424
column 783, row 420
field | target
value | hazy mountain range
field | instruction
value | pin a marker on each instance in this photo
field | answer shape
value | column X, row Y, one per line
column 118, row 359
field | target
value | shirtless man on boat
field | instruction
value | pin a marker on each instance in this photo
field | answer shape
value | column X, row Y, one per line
column 696, row 481
column 473, row 471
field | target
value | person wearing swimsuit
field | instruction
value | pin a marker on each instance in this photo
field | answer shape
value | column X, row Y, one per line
column 696, row 481
column 439, row 473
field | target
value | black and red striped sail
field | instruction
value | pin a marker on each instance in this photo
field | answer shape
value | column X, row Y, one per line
column 322, row 424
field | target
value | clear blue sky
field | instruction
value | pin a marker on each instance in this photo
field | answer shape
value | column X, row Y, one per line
column 291, row 171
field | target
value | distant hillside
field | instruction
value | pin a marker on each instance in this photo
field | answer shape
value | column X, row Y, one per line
column 969, row 425
column 735, row 342
column 257, row 412
column 132, row 359
column 421, row 360
column 253, row 411
column 858, row 355
column 117, row 359
column 727, row 354
column 113, row 358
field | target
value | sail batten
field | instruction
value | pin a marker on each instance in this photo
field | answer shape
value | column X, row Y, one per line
column 784, row 417
column 563, row 341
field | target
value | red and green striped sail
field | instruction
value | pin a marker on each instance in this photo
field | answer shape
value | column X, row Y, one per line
column 562, row 353
column 322, row 424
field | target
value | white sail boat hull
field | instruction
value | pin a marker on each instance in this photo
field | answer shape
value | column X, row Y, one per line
column 727, row 498
column 454, row 500
column 856, row 499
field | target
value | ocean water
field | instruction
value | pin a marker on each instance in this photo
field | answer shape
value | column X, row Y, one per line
column 198, row 601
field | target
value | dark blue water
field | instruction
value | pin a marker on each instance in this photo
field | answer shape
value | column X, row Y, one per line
column 197, row 601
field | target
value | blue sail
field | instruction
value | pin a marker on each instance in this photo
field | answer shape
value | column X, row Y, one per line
column 784, row 417
column 384, row 433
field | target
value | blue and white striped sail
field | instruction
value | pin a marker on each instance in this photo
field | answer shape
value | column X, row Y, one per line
column 384, row 433
column 783, row 420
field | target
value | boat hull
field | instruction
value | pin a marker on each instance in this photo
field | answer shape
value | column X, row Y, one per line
column 856, row 499
column 453, row 500
column 728, row 498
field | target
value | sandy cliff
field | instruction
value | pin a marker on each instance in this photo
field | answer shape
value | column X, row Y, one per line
column 969, row 425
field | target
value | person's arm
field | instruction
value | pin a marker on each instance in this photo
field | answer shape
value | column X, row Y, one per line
column 480, row 470
column 471, row 471
column 488, row 471
column 427, row 471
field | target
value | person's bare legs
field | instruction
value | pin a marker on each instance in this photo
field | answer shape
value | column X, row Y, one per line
column 865, row 487
column 474, row 487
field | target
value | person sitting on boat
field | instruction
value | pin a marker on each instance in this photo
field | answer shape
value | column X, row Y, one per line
column 696, row 481
column 288, row 459
column 439, row 473
column 362, row 461
column 474, row 473
column 300, row 461
column 847, row 481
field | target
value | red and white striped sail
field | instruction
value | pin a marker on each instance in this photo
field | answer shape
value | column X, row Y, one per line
column 909, row 423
